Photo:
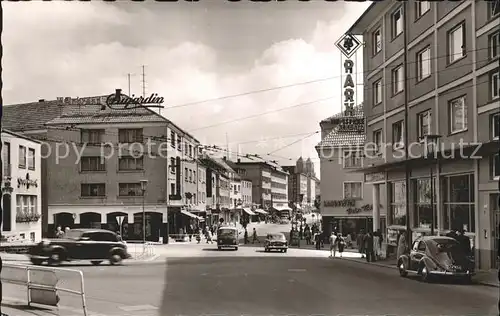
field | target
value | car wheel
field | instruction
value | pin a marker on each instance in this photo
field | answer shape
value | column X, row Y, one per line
column 403, row 272
column 37, row 262
column 284, row 250
column 235, row 248
column 96, row 262
column 219, row 248
column 115, row 259
column 266, row 250
column 55, row 258
column 424, row 274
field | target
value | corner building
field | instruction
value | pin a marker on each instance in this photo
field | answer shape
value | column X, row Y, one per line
column 450, row 87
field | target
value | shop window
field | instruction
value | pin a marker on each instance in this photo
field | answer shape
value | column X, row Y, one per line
column 459, row 212
column 398, row 203
column 423, row 208
column 353, row 190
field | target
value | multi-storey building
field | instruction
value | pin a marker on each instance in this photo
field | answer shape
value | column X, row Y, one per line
column 98, row 157
column 433, row 70
column 246, row 193
column 279, row 187
column 302, row 184
column 346, row 202
column 21, row 188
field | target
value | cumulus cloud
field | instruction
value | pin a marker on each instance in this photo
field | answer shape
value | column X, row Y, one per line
column 85, row 49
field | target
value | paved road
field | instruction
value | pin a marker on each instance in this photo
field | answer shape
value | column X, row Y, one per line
column 250, row 282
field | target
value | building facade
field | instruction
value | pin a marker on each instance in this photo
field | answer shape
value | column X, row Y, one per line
column 21, row 188
column 434, row 71
column 302, row 184
column 97, row 159
column 346, row 199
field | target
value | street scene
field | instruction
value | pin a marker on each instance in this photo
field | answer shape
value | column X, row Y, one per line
column 256, row 158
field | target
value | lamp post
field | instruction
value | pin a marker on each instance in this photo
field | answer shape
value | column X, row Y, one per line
column 431, row 142
column 144, row 185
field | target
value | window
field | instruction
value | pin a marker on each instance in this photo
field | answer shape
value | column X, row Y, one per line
column 398, row 203
column 421, row 8
column 397, row 22
column 424, row 120
column 179, row 143
column 172, row 165
column 92, row 136
column 130, row 163
column 6, row 160
column 459, row 202
column 353, row 190
column 495, row 84
column 129, row 189
column 495, row 125
column 172, row 138
column 377, row 140
column 456, row 43
column 377, row 42
column 494, row 44
column 22, row 157
column 458, row 115
column 423, row 208
column 93, row 164
column 194, row 176
column 496, row 166
column 397, row 80
column 32, row 236
column 352, row 159
column 26, row 205
column 190, row 175
column 377, row 92
column 130, row 135
column 424, row 64
column 494, row 8
column 185, row 174
column 31, row 159
column 172, row 189
column 397, row 134
column 93, row 189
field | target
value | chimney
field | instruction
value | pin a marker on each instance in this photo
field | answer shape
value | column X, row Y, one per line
column 41, row 100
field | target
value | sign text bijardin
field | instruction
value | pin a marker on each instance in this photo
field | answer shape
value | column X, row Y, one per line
column 116, row 101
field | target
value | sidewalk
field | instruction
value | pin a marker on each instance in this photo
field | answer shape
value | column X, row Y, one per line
column 487, row 278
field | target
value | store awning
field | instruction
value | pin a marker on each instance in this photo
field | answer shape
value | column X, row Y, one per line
column 282, row 208
column 248, row 211
column 260, row 211
column 190, row 214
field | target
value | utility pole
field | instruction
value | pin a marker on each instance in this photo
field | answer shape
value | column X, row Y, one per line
column 143, row 81
column 227, row 146
column 406, row 138
column 128, row 77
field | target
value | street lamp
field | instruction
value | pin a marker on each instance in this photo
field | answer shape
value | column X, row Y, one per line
column 144, row 185
column 431, row 142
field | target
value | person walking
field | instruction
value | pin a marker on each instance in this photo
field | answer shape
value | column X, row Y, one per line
column 376, row 245
column 369, row 247
column 360, row 242
column 333, row 244
column 254, row 236
column 341, row 244
column 245, row 237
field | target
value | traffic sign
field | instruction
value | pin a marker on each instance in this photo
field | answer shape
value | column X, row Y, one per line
column 120, row 219
column 42, row 287
column 348, row 44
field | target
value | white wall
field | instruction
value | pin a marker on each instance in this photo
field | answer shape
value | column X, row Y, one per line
column 19, row 188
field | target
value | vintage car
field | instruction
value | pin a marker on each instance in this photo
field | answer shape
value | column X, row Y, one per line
column 275, row 242
column 96, row 245
column 436, row 256
column 227, row 237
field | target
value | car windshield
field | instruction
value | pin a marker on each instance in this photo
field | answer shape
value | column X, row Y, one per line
column 276, row 237
column 73, row 234
column 227, row 233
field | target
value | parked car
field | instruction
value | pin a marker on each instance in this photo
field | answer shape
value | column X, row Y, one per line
column 436, row 256
column 96, row 245
column 275, row 242
column 227, row 237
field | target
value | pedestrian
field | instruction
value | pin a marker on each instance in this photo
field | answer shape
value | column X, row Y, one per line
column 209, row 237
column 333, row 244
column 380, row 241
column 198, row 236
column 301, row 232
column 348, row 241
column 245, row 237
column 402, row 245
column 341, row 244
column 317, row 241
column 464, row 241
column 59, row 232
column 369, row 247
column 254, row 236
column 360, row 243
column 376, row 245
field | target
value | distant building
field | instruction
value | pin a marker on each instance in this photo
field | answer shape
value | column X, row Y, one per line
column 302, row 184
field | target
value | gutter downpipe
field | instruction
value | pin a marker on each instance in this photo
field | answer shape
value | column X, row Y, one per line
column 407, row 167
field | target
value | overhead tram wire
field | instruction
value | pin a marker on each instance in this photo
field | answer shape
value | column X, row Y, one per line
column 300, row 83
column 292, row 143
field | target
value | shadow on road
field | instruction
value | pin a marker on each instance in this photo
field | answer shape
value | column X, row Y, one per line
column 211, row 249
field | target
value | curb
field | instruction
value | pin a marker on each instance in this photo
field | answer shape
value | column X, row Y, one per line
column 483, row 283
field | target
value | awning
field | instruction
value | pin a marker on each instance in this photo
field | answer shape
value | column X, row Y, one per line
column 260, row 211
column 282, row 208
column 190, row 214
column 248, row 211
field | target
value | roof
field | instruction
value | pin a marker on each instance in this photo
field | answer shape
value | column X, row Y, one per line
column 21, row 136
column 358, row 112
column 223, row 163
column 30, row 116
column 338, row 138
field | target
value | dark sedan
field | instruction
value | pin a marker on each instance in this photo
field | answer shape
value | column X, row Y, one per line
column 275, row 242
column 436, row 256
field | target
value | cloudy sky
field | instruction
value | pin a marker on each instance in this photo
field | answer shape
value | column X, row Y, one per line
column 195, row 54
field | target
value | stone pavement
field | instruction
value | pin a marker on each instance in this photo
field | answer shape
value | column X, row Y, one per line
column 488, row 278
